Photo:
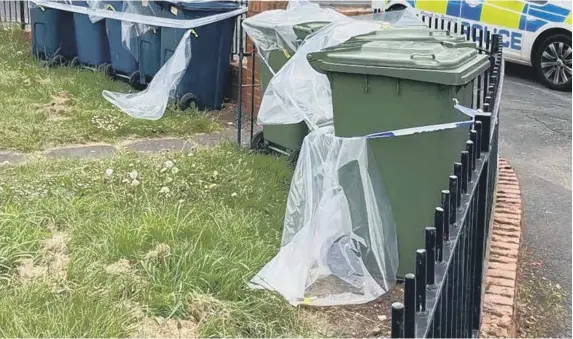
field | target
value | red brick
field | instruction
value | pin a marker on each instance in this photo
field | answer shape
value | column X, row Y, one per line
column 502, row 266
column 504, row 291
column 500, row 282
column 497, row 273
column 504, row 239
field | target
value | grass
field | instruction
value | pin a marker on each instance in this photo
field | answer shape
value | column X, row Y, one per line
column 541, row 310
column 43, row 107
column 102, row 248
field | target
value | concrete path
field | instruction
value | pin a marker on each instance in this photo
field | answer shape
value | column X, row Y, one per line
column 102, row 150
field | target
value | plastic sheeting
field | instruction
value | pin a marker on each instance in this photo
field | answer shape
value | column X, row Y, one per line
column 297, row 92
column 136, row 19
column 339, row 241
column 152, row 102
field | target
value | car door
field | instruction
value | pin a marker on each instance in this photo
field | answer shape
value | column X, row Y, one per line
column 503, row 17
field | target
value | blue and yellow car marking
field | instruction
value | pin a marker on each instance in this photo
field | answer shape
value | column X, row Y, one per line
column 512, row 16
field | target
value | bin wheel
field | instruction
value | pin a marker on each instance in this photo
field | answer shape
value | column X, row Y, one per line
column 75, row 63
column 107, row 69
column 58, row 61
column 187, row 100
column 258, row 143
column 134, row 80
column 293, row 158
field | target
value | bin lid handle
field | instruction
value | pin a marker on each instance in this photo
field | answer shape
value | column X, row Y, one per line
column 446, row 33
column 431, row 56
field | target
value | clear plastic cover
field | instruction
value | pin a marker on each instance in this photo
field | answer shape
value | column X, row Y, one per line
column 152, row 102
column 339, row 241
column 297, row 92
column 137, row 17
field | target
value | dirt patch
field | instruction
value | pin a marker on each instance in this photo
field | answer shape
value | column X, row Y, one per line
column 58, row 108
column 160, row 328
column 358, row 321
column 53, row 263
column 121, row 267
column 158, row 252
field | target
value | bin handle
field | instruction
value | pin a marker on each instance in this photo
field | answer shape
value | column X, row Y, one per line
column 446, row 33
column 110, row 7
column 431, row 56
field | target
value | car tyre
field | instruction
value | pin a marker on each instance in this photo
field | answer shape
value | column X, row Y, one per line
column 552, row 62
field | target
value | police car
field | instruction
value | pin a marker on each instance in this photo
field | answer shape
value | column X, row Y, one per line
column 535, row 32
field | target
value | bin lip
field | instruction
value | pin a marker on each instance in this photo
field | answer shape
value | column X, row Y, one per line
column 219, row 6
column 463, row 68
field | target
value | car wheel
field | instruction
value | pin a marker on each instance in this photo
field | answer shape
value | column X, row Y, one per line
column 552, row 62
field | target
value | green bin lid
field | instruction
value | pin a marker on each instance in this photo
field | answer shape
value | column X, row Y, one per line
column 414, row 60
column 306, row 29
column 416, row 34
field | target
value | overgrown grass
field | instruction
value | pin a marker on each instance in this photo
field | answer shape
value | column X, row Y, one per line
column 174, row 236
column 42, row 107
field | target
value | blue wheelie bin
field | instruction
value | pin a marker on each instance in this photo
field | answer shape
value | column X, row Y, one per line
column 52, row 34
column 123, row 63
column 91, row 40
column 204, row 80
column 148, row 44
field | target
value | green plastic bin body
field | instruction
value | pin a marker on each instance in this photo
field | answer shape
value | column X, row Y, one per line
column 389, row 85
column 285, row 138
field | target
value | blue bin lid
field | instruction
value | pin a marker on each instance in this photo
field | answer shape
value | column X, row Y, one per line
column 205, row 5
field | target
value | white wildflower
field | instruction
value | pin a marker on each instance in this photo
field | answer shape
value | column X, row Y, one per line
column 108, row 172
column 234, row 194
column 133, row 175
column 135, row 182
column 168, row 164
column 164, row 190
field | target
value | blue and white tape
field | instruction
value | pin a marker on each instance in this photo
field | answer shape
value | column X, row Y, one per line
column 429, row 128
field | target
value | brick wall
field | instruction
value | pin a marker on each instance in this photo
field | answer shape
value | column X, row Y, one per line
column 256, row 7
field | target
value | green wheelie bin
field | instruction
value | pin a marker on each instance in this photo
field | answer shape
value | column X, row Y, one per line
column 382, row 86
column 286, row 138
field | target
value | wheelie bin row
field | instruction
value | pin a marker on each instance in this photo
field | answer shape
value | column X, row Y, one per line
column 59, row 37
column 388, row 80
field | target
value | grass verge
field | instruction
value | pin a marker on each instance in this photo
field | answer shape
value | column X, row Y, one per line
column 43, row 107
column 541, row 310
column 143, row 246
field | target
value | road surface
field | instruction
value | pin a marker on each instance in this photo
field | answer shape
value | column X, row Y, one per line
column 536, row 139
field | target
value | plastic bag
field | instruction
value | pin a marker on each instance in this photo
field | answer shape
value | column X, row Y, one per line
column 339, row 241
column 152, row 102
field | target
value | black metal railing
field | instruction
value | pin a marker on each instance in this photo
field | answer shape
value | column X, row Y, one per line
column 14, row 12
column 442, row 299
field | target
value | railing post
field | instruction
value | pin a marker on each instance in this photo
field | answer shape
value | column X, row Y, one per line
column 470, row 147
column 397, row 320
column 410, row 306
column 453, row 188
column 459, row 175
column 479, row 136
column 23, row 8
column 465, row 170
column 430, row 236
column 446, row 207
column 421, row 280
column 439, row 225
column 474, row 137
